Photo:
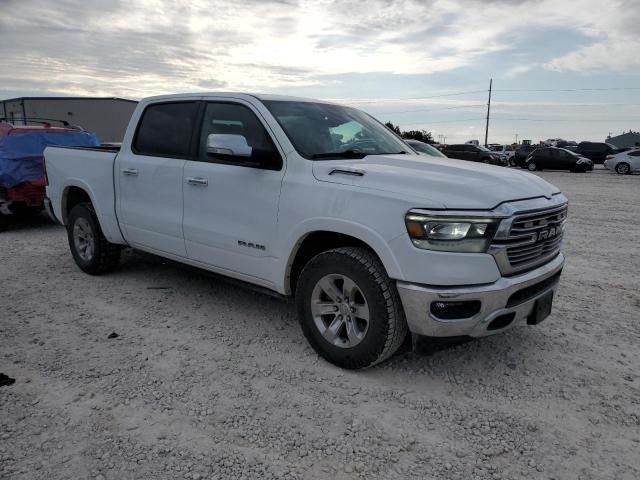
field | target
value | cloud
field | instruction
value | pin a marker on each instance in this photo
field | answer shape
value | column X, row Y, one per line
column 141, row 47
column 615, row 38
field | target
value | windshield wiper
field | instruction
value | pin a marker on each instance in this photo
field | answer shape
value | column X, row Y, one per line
column 345, row 154
column 401, row 152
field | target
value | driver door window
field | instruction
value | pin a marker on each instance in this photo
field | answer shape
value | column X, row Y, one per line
column 236, row 119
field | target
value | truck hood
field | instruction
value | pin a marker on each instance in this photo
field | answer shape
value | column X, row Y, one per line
column 436, row 182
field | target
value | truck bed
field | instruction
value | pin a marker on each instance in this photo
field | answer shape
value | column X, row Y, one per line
column 105, row 147
column 88, row 168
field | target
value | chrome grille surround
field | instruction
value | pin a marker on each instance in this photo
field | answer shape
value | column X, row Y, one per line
column 531, row 236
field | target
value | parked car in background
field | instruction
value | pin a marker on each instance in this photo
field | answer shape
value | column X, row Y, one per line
column 506, row 151
column 521, row 154
column 557, row 159
column 624, row 163
column 321, row 202
column 596, row 151
column 473, row 153
column 22, row 174
column 425, row 149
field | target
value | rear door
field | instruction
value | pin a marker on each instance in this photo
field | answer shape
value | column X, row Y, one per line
column 634, row 160
column 231, row 203
column 565, row 161
column 150, row 177
column 463, row 152
column 543, row 158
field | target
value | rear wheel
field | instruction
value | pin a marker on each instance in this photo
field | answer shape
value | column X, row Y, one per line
column 349, row 309
column 89, row 247
column 623, row 168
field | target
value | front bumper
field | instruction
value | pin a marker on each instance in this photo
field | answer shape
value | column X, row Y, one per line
column 508, row 302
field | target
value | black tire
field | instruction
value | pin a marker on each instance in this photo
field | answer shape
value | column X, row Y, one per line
column 532, row 167
column 387, row 327
column 623, row 168
column 105, row 255
column 4, row 222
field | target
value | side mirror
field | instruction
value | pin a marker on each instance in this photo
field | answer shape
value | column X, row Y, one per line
column 225, row 144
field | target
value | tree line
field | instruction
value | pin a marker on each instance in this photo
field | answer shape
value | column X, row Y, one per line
column 421, row 135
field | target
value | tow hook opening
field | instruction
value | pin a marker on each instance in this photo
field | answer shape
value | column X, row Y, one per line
column 455, row 310
column 502, row 321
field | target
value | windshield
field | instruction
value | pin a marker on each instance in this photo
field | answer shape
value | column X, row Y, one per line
column 324, row 131
column 426, row 149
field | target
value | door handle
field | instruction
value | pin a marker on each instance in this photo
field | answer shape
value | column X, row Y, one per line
column 132, row 172
column 198, row 181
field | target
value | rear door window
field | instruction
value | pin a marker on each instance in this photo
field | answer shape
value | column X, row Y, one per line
column 165, row 129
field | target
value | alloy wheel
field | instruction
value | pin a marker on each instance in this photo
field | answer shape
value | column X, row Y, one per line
column 340, row 310
column 83, row 239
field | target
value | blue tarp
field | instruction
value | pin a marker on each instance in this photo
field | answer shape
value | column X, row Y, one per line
column 21, row 155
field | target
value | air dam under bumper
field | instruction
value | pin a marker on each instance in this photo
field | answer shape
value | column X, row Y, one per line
column 508, row 302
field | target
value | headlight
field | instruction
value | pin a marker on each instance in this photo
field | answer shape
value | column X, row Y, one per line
column 581, row 161
column 451, row 234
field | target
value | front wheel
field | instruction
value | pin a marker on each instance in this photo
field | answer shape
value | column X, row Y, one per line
column 623, row 168
column 92, row 252
column 349, row 309
column 532, row 167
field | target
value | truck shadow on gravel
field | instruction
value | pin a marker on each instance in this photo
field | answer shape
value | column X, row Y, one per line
column 13, row 223
column 271, row 313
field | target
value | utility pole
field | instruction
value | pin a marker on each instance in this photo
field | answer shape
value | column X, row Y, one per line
column 486, row 132
column 516, row 138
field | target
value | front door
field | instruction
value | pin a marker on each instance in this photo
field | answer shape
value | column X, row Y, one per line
column 231, row 203
column 150, row 178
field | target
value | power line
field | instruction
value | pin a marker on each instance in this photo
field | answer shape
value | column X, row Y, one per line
column 610, row 89
column 562, row 105
column 427, row 122
column 561, row 119
column 398, row 112
column 504, row 90
column 416, row 98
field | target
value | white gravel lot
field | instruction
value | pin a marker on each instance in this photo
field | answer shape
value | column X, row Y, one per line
column 208, row 380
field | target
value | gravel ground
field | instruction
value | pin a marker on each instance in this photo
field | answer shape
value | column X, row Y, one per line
column 207, row 380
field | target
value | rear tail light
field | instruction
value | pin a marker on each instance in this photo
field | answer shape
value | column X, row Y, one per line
column 609, row 157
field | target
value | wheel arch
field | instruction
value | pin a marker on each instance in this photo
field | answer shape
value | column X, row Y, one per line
column 77, row 191
column 72, row 195
column 315, row 241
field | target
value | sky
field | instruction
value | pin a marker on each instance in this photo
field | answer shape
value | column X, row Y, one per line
column 560, row 68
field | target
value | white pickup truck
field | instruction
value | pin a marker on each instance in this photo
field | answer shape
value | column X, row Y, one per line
column 324, row 203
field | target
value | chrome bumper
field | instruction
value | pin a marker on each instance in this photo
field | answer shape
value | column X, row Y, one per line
column 496, row 300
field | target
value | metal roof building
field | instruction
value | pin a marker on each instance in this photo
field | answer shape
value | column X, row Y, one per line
column 626, row 140
column 108, row 117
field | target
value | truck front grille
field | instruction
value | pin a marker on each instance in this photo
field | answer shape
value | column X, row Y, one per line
column 533, row 238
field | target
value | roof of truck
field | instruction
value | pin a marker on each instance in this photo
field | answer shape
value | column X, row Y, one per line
column 243, row 95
